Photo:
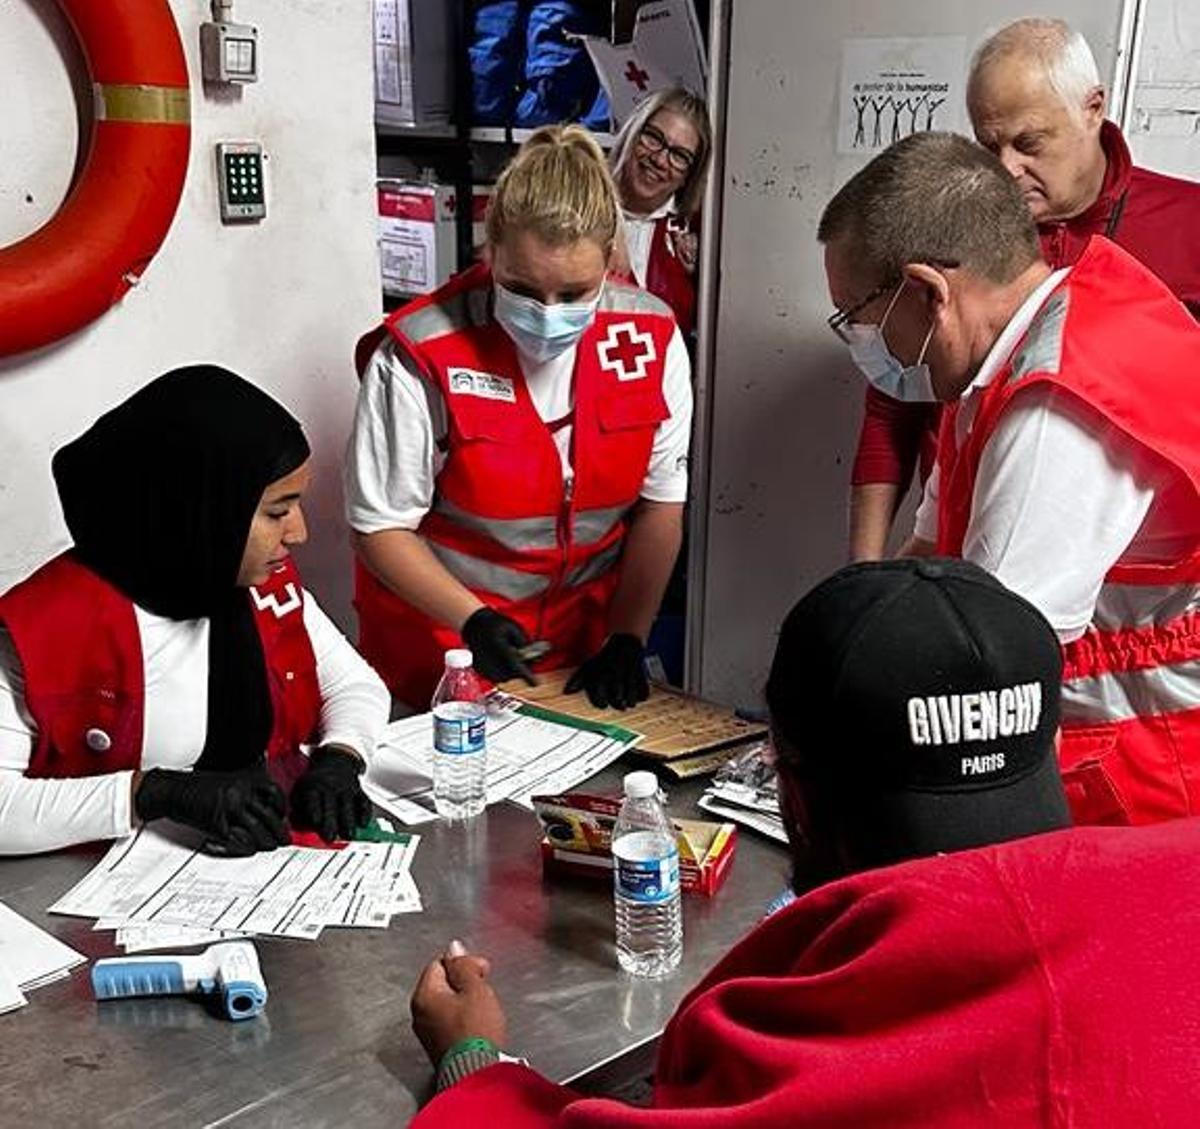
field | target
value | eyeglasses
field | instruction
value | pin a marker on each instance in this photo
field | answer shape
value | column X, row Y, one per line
column 839, row 319
column 680, row 159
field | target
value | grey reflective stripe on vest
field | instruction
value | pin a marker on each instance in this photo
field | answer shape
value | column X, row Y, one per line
column 590, row 526
column 595, row 568
column 462, row 311
column 1123, row 606
column 1124, row 695
column 618, row 298
column 1041, row 348
column 520, row 534
column 487, row 576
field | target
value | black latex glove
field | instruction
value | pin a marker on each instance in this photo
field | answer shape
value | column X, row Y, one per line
column 494, row 641
column 240, row 812
column 328, row 797
column 614, row 675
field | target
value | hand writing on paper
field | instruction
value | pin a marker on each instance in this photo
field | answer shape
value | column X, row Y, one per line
column 454, row 1001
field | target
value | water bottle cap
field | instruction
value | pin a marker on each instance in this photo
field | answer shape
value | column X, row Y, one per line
column 459, row 659
column 641, row 785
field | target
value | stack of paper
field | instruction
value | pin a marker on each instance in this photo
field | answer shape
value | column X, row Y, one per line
column 29, row 958
column 157, row 891
column 745, row 791
column 530, row 751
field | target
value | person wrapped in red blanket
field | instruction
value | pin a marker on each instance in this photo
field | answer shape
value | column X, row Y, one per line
column 988, row 980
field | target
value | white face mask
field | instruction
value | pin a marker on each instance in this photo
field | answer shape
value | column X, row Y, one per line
column 869, row 350
column 539, row 331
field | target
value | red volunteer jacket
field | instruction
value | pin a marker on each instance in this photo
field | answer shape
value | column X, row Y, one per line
column 1130, row 747
column 1047, row 981
column 502, row 520
column 77, row 639
column 1155, row 218
column 671, row 268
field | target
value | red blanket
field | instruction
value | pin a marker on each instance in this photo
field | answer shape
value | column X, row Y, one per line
column 1051, row 981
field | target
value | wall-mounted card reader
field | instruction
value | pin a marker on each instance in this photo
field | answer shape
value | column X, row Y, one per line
column 240, row 181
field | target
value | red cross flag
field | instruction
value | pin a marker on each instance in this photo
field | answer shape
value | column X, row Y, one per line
column 666, row 50
column 626, row 351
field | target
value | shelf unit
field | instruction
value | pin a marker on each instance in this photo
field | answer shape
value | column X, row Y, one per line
column 458, row 151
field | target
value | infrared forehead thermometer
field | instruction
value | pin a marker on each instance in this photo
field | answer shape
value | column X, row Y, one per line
column 227, row 971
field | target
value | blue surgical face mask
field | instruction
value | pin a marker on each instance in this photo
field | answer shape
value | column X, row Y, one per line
column 539, row 331
column 869, row 350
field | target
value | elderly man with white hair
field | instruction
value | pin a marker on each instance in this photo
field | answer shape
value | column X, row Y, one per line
column 1036, row 100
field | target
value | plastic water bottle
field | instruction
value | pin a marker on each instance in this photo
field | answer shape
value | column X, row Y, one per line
column 459, row 740
column 646, row 881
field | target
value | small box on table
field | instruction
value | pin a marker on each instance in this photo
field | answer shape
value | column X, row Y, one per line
column 577, row 840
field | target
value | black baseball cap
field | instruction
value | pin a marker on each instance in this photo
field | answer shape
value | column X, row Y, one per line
column 923, row 696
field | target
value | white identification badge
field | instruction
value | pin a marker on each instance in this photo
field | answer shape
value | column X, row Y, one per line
column 486, row 385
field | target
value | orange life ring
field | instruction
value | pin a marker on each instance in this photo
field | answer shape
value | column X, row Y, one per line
column 97, row 245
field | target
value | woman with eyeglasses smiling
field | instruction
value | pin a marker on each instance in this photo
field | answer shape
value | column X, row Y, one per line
column 659, row 162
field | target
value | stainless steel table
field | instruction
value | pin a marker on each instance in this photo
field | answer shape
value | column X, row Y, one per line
column 334, row 1047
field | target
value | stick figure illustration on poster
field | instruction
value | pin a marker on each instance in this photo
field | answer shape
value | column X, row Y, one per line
column 891, row 88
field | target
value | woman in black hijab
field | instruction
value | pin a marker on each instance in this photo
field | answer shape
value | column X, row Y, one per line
column 183, row 503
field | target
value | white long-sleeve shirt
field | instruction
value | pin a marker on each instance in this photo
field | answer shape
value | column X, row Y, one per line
column 46, row 814
column 1061, row 493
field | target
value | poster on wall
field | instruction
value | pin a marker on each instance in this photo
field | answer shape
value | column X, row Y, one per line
column 891, row 88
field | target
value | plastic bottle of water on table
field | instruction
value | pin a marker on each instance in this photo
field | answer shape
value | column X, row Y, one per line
column 459, row 740
column 646, row 881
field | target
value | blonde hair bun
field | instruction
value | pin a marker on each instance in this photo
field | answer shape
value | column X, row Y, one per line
column 558, row 186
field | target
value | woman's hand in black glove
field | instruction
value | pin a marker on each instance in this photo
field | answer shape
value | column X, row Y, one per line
column 614, row 675
column 240, row 812
column 328, row 798
column 495, row 642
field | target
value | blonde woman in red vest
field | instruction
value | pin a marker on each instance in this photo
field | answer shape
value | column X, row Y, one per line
column 154, row 669
column 659, row 163
column 518, row 467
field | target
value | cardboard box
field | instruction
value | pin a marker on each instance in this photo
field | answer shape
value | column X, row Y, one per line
column 418, row 238
column 577, row 840
column 414, row 62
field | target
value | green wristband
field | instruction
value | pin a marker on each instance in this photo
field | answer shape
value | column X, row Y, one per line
column 465, row 1057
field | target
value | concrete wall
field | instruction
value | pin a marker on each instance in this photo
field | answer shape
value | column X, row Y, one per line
column 1164, row 126
column 281, row 302
column 786, row 400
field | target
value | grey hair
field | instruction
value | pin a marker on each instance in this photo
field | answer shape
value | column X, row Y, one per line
column 1060, row 50
column 692, row 107
column 933, row 198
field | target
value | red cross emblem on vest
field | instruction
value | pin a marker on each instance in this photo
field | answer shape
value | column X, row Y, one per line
column 627, row 352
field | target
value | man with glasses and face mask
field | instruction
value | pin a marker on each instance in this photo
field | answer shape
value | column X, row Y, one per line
column 1069, row 459
column 1036, row 100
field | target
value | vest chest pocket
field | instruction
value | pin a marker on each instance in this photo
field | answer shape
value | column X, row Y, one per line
column 477, row 422
column 91, row 732
column 627, row 410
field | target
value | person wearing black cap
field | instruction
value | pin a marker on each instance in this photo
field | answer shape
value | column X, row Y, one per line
column 1013, row 971
column 155, row 668
column 914, row 707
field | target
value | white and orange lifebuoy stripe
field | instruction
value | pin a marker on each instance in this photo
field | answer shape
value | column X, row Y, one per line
column 116, row 216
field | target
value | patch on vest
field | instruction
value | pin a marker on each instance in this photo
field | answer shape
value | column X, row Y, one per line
column 627, row 352
column 486, row 385
column 271, row 600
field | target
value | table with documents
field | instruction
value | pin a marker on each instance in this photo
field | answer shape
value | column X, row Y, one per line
column 334, row 1046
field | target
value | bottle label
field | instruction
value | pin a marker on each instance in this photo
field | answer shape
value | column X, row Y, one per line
column 459, row 735
column 648, row 880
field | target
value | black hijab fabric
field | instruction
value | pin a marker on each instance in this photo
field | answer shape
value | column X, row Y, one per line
column 159, row 495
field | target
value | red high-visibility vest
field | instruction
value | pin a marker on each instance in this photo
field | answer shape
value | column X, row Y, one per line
column 502, row 520
column 78, row 642
column 1112, row 334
